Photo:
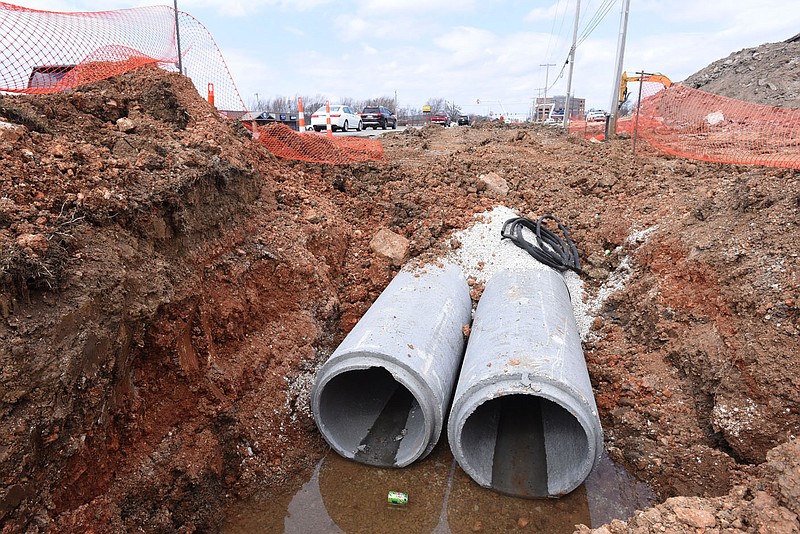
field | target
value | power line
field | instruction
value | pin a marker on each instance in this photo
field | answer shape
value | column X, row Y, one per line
column 598, row 16
column 548, row 55
column 594, row 21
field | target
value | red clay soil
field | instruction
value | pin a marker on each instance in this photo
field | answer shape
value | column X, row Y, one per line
column 167, row 288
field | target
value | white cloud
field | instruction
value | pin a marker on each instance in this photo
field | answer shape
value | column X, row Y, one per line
column 544, row 13
column 243, row 8
column 422, row 8
column 349, row 28
column 295, row 31
column 368, row 50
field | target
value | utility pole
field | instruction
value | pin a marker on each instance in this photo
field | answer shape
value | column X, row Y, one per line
column 258, row 102
column 546, row 82
column 568, row 100
column 178, row 38
column 614, row 107
column 546, row 76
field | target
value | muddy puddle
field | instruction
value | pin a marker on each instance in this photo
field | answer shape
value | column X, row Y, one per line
column 341, row 496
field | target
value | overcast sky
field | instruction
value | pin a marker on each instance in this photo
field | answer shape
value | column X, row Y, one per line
column 465, row 50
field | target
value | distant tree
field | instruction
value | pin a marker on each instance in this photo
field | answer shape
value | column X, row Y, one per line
column 385, row 101
column 313, row 103
column 255, row 104
column 280, row 104
column 437, row 104
column 452, row 110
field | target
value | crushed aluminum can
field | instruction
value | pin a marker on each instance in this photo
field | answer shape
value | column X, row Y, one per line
column 398, row 498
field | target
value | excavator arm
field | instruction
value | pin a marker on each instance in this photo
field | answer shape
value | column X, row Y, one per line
column 643, row 77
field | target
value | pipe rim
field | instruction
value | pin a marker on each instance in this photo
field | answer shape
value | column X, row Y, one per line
column 406, row 377
column 467, row 402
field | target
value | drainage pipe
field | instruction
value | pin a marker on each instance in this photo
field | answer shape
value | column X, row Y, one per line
column 524, row 420
column 382, row 397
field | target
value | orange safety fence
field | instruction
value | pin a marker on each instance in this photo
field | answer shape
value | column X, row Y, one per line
column 286, row 143
column 691, row 123
column 43, row 52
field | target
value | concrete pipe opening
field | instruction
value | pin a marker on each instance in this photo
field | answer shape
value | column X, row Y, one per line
column 369, row 414
column 382, row 397
column 535, row 445
column 524, row 419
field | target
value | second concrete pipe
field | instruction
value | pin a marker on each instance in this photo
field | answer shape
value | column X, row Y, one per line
column 524, row 420
column 382, row 397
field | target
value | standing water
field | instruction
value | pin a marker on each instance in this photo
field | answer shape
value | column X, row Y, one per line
column 343, row 496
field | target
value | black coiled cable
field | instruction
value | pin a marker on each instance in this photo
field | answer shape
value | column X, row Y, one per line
column 560, row 254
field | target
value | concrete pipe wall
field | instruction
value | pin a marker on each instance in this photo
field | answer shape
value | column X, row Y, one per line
column 524, row 419
column 382, row 397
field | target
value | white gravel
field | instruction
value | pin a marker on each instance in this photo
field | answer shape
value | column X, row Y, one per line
column 483, row 253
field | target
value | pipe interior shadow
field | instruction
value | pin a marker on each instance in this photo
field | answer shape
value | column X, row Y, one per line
column 528, row 442
column 371, row 414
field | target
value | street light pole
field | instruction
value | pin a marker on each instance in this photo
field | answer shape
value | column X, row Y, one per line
column 178, row 38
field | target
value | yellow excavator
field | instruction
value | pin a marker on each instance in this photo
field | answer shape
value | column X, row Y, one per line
column 640, row 77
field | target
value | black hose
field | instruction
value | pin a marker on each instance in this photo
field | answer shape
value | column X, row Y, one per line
column 560, row 254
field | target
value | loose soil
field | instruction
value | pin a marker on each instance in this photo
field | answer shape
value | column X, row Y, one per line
column 167, row 289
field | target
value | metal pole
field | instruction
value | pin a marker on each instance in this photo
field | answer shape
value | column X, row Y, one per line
column 546, row 82
column 568, row 102
column 178, row 38
column 636, row 123
column 611, row 130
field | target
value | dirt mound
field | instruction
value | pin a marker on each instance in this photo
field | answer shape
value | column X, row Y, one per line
column 168, row 289
column 767, row 74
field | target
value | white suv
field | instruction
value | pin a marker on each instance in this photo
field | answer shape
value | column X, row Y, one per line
column 594, row 115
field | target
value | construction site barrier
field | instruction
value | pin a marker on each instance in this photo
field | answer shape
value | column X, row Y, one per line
column 45, row 52
column 691, row 123
column 284, row 142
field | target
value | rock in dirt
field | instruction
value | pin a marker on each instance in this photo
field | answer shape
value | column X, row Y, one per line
column 783, row 466
column 493, row 183
column 10, row 133
column 126, row 125
column 390, row 245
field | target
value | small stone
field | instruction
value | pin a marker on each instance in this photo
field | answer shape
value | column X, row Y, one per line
column 522, row 522
column 695, row 517
column 10, row 133
column 124, row 124
column 477, row 526
column 390, row 245
column 493, row 183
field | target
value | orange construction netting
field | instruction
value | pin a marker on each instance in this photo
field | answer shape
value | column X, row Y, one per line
column 44, row 52
column 286, row 143
column 694, row 124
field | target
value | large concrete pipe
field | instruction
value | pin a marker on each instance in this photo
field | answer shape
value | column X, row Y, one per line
column 382, row 397
column 524, row 420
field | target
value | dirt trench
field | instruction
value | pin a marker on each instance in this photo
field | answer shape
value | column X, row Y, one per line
column 168, row 289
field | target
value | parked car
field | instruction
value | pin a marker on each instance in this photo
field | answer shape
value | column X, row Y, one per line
column 342, row 118
column 463, row 120
column 440, row 118
column 594, row 115
column 378, row 116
